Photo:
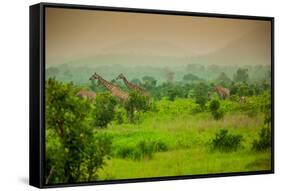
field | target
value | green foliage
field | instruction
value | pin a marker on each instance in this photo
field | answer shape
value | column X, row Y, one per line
column 176, row 107
column 226, row 142
column 142, row 150
column 243, row 89
column 173, row 92
column 97, row 145
column 217, row 113
column 136, row 81
column 171, row 125
column 201, row 94
column 241, row 75
column 136, row 103
column 223, row 80
column 214, row 105
column 120, row 114
column 190, row 77
column 265, row 107
column 104, row 109
column 264, row 140
column 71, row 153
column 255, row 104
column 149, row 82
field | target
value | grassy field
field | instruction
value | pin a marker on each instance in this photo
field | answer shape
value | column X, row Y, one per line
column 181, row 145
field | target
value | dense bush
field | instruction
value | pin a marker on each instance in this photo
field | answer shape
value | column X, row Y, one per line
column 120, row 114
column 217, row 113
column 264, row 140
column 104, row 109
column 201, row 94
column 255, row 104
column 241, row 75
column 179, row 106
column 136, row 103
column 143, row 149
column 73, row 151
column 224, row 141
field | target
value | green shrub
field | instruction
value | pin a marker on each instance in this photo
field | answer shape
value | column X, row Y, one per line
column 217, row 113
column 214, row 105
column 201, row 94
column 73, row 151
column 125, row 152
column 104, row 109
column 226, row 142
column 143, row 149
column 264, row 141
column 159, row 146
column 136, row 103
column 120, row 115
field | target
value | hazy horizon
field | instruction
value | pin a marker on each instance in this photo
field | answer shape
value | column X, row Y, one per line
column 73, row 35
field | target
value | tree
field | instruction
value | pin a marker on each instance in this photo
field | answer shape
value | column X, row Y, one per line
column 52, row 72
column 190, row 77
column 201, row 94
column 104, row 109
column 136, row 103
column 149, row 82
column 169, row 75
column 241, row 75
column 265, row 101
column 217, row 113
column 69, row 136
column 175, row 90
column 223, row 80
column 136, row 81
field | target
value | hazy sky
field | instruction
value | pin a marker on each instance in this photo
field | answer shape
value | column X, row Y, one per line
column 75, row 34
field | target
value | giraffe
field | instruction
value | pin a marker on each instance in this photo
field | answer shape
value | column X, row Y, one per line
column 115, row 91
column 132, row 86
column 83, row 93
column 221, row 91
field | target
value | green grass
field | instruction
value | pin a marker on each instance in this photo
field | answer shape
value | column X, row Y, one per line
column 187, row 139
column 185, row 162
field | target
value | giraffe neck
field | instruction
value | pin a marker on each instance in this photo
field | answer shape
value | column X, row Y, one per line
column 115, row 91
column 106, row 84
column 128, row 84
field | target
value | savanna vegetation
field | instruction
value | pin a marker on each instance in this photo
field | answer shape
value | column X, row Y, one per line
column 185, row 123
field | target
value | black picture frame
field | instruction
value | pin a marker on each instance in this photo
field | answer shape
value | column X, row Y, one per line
column 37, row 92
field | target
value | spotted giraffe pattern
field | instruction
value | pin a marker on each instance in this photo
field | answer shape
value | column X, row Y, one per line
column 132, row 86
column 115, row 91
column 222, row 92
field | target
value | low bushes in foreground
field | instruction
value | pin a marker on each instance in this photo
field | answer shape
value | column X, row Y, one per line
column 143, row 149
column 264, row 140
column 217, row 113
column 226, row 142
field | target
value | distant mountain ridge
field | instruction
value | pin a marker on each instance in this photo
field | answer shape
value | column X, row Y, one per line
column 253, row 48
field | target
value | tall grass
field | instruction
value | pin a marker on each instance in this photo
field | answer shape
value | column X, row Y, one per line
column 176, row 142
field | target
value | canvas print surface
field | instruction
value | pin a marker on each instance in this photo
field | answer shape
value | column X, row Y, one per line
column 138, row 95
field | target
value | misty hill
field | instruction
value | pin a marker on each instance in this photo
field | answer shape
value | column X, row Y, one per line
column 250, row 50
column 253, row 48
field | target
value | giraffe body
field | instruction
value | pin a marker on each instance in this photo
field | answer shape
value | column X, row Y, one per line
column 86, row 94
column 115, row 91
column 132, row 86
column 221, row 91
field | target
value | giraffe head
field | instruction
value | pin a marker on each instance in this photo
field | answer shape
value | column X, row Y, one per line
column 120, row 77
column 95, row 76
